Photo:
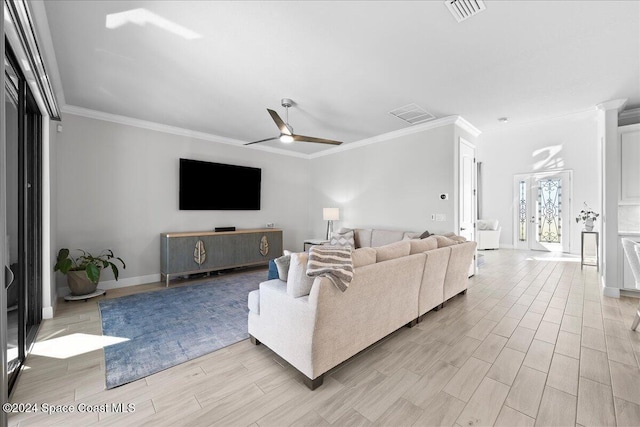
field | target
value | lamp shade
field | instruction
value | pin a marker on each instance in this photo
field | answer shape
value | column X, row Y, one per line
column 330, row 214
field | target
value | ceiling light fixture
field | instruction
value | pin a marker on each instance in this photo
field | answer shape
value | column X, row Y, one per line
column 286, row 138
column 503, row 119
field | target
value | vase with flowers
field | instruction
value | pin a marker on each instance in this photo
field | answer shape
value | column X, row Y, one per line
column 588, row 217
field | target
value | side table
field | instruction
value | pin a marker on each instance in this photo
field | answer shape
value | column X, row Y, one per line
column 582, row 244
column 312, row 242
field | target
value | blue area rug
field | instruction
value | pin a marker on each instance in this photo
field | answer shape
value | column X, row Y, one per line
column 171, row 326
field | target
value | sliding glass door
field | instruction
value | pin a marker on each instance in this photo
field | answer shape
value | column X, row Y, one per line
column 23, row 176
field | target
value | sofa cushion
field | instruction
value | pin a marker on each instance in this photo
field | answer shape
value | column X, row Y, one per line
column 487, row 224
column 362, row 237
column 393, row 251
column 298, row 283
column 282, row 264
column 443, row 241
column 384, row 237
column 363, row 256
column 343, row 239
column 459, row 239
column 423, row 245
column 254, row 301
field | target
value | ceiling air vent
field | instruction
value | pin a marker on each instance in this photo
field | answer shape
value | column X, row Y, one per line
column 412, row 114
column 463, row 9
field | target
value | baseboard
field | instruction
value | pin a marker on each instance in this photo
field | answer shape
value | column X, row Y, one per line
column 47, row 312
column 122, row 283
column 505, row 246
column 633, row 293
column 611, row 292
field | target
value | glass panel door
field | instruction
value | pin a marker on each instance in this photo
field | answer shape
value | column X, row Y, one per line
column 23, row 176
column 549, row 210
column 12, row 176
column 541, row 211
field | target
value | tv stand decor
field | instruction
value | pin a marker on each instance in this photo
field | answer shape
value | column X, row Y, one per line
column 204, row 251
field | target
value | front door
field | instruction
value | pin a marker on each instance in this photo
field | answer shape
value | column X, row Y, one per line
column 542, row 211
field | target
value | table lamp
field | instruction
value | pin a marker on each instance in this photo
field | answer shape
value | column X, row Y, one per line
column 330, row 215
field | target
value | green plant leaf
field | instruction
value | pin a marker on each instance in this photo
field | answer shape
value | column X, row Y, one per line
column 63, row 254
column 115, row 270
column 123, row 264
column 64, row 266
column 93, row 273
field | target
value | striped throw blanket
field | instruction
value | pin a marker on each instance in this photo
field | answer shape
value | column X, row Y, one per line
column 332, row 262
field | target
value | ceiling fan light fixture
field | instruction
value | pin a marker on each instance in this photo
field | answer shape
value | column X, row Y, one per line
column 286, row 138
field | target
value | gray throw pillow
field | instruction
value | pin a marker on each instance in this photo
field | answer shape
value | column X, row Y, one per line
column 282, row 264
column 425, row 234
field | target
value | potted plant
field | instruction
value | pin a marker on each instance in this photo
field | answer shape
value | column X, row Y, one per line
column 588, row 216
column 83, row 272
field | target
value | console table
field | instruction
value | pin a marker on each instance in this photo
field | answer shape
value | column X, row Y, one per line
column 204, row 251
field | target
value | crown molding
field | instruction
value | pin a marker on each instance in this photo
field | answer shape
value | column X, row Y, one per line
column 615, row 104
column 465, row 125
column 173, row 130
column 445, row 121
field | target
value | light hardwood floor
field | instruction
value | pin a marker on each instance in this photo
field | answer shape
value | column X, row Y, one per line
column 531, row 343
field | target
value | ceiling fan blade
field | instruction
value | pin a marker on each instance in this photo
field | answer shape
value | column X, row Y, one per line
column 302, row 138
column 281, row 125
column 262, row 140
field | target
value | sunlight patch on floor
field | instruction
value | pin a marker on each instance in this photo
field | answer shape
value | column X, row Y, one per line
column 553, row 259
column 73, row 345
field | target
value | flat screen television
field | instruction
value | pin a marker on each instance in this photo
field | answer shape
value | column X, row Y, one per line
column 216, row 186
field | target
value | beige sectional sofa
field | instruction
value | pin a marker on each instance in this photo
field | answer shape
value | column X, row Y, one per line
column 394, row 284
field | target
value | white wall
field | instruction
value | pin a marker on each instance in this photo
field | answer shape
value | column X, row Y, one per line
column 117, row 188
column 393, row 184
column 565, row 143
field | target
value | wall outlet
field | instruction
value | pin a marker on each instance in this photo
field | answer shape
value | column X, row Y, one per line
column 433, row 217
column 270, row 225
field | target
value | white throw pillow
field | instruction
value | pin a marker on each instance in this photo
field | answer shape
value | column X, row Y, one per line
column 299, row 284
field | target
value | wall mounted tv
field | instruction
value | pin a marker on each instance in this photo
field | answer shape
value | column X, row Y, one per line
column 216, row 186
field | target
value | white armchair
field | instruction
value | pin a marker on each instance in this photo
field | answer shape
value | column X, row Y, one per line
column 488, row 232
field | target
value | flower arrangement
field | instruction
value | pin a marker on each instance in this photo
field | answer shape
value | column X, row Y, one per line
column 587, row 214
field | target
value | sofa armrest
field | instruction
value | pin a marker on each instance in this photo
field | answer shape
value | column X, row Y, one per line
column 285, row 324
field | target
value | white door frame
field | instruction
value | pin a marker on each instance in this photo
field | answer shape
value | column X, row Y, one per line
column 466, row 212
column 467, row 225
column 532, row 217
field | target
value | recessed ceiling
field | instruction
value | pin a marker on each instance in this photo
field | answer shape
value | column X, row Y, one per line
column 215, row 67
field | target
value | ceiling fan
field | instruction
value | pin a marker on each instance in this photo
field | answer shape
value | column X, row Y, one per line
column 286, row 131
